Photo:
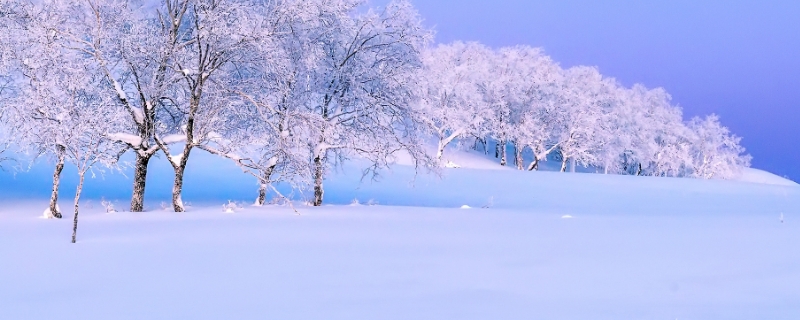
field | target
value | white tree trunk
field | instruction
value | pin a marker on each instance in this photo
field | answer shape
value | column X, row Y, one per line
column 82, row 174
column 54, row 210
column 177, row 189
column 262, row 189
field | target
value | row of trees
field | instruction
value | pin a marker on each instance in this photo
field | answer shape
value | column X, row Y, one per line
column 289, row 88
column 521, row 98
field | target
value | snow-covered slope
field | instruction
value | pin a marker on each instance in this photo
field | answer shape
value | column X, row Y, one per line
column 761, row 176
column 634, row 248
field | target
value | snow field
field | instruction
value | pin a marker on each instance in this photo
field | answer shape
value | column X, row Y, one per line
column 635, row 248
column 377, row 262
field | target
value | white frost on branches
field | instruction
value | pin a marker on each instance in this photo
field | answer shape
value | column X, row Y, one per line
column 288, row 89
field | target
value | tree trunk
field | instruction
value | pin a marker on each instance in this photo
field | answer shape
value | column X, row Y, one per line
column 503, row 153
column 262, row 189
column 77, row 199
column 518, row 156
column 318, row 175
column 574, row 164
column 497, row 149
column 177, row 188
column 639, row 171
column 440, row 150
column 534, row 165
column 139, row 180
column 54, row 210
column 564, row 164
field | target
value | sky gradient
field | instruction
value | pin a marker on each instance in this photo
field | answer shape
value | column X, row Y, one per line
column 738, row 59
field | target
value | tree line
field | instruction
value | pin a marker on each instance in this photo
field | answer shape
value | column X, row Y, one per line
column 287, row 89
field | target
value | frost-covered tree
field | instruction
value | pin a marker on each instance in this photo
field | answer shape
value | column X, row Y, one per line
column 217, row 38
column 9, row 27
column 40, row 77
column 529, row 98
column 266, row 130
column 715, row 152
column 453, row 105
column 583, row 96
column 58, row 107
column 89, row 120
column 363, row 85
column 134, row 48
column 649, row 138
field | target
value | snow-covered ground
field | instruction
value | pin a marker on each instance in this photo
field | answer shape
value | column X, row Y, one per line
column 634, row 248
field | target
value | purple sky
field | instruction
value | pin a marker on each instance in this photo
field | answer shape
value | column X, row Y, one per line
column 738, row 59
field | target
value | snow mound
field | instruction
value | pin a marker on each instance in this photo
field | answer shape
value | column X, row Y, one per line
column 451, row 164
column 763, row 177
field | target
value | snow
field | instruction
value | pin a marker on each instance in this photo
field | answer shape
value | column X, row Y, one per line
column 642, row 248
column 130, row 139
column 138, row 115
column 451, row 164
column 176, row 159
column 761, row 176
column 120, row 92
column 236, row 157
column 320, row 149
column 47, row 214
column 174, row 138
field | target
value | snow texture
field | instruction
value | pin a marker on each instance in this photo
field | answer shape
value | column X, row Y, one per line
column 643, row 247
column 174, row 138
column 130, row 139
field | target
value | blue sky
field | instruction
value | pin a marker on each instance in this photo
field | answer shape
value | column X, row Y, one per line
column 738, row 59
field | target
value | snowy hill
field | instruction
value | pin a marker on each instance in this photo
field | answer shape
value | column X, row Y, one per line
column 549, row 245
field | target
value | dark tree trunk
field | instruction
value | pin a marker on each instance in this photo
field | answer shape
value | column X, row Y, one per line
column 139, row 180
column 77, row 199
column 262, row 189
column 535, row 164
column 564, row 164
column 57, row 182
column 503, row 153
column 318, row 175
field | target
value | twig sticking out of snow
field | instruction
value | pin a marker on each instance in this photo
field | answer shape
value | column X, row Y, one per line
column 451, row 164
column 231, row 207
column 489, row 204
column 108, row 206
